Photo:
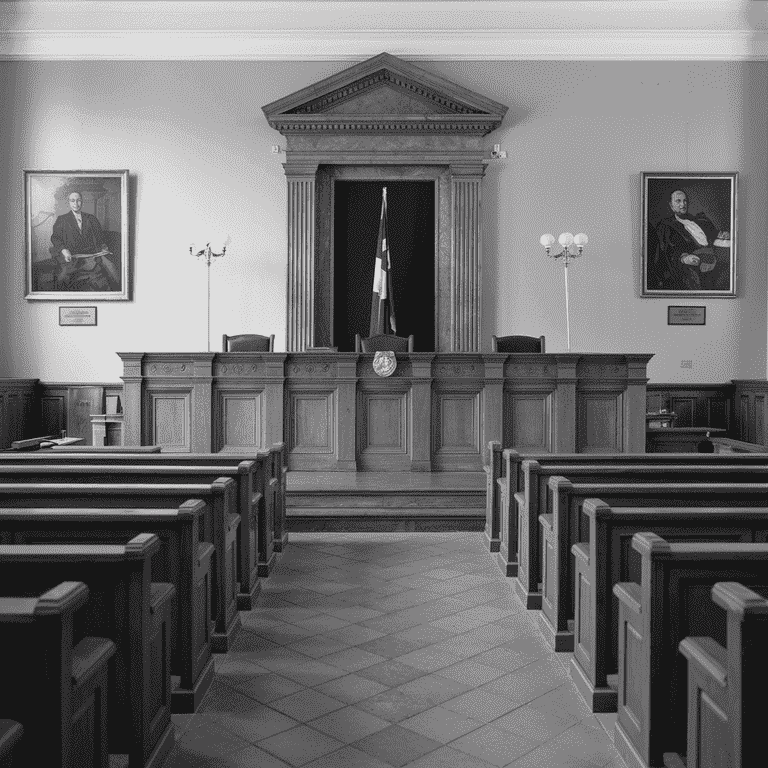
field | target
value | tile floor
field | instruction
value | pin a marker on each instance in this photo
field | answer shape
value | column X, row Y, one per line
column 391, row 650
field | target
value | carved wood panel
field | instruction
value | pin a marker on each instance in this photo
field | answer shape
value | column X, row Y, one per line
column 312, row 428
column 528, row 421
column 52, row 414
column 599, row 422
column 383, row 433
column 169, row 420
column 240, row 421
column 457, row 429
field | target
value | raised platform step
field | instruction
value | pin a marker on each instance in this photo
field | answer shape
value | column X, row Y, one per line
column 385, row 501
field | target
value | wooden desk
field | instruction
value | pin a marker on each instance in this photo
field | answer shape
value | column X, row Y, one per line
column 438, row 411
column 678, row 439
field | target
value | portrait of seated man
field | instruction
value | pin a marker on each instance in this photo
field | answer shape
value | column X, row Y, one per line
column 690, row 252
column 80, row 250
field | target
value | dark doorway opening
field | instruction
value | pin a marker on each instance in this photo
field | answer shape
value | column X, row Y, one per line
column 411, row 231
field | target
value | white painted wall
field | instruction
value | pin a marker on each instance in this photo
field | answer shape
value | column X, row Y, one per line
column 577, row 134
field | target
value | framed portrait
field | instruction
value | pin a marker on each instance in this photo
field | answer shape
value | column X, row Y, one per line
column 76, row 235
column 689, row 234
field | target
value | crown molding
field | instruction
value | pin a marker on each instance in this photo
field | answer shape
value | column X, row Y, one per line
column 265, row 30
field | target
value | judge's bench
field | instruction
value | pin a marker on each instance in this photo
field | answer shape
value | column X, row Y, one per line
column 435, row 412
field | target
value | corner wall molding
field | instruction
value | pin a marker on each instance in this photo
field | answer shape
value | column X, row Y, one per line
column 351, row 30
column 338, row 45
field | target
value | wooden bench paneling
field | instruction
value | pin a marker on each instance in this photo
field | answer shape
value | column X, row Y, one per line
column 257, row 551
column 536, row 500
column 10, row 736
column 566, row 526
column 220, row 529
column 608, row 559
column 182, row 560
column 248, row 492
column 727, row 684
column 671, row 602
column 119, row 607
column 52, row 683
column 511, row 481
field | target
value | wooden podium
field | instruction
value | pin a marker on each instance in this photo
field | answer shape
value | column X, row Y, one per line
column 437, row 412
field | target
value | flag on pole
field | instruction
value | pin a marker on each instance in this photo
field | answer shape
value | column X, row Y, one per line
column 382, row 305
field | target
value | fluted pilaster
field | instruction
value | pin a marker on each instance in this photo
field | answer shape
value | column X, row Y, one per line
column 301, row 257
column 466, row 259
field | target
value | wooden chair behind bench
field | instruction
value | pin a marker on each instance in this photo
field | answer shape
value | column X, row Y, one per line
column 54, row 684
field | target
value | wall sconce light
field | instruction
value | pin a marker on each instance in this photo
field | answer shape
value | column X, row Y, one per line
column 208, row 255
column 570, row 248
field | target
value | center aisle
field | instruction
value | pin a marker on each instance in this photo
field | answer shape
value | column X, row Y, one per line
column 388, row 650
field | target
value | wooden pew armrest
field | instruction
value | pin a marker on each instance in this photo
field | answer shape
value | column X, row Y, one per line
column 160, row 594
column 520, row 498
column 10, row 733
column 710, row 658
column 629, row 594
column 205, row 552
column 673, row 760
column 232, row 522
column 89, row 656
column 547, row 521
column 581, row 551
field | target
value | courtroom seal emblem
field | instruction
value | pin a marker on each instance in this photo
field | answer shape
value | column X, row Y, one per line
column 384, row 363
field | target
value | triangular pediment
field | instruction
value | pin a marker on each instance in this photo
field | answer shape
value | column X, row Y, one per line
column 385, row 93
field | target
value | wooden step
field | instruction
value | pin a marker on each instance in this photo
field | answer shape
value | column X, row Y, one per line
column 382, row 501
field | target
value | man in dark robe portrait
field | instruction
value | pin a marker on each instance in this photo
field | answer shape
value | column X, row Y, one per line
column 690, row 252
column 79, row 247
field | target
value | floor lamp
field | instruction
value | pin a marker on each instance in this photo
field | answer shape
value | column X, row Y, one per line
column 207, row 255
column 570, row 248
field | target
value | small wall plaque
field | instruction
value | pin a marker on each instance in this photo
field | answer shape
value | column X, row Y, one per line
column 77, row 315
column 686, row 315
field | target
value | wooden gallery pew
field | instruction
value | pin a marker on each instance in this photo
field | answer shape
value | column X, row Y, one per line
column 220, row 527
column 566, row 526
column 672, row 601
column 726, row 686
column 506, row 473
column 248, row 476
column 608, row 559
column 54, row 684
column 124, row 606
column 265, row 487
column 535, row 500
column 10, row 736
column 183, row 561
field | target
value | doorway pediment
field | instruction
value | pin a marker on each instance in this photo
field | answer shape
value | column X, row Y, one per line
column 385, row 94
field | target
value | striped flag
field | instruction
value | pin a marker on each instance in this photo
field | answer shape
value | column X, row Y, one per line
column 382, row 305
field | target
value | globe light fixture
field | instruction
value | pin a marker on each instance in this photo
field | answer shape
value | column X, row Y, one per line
column 570, row 247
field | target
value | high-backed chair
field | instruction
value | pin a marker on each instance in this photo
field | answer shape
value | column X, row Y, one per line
column 248, row 342
column 384, row 342
column 517, row 344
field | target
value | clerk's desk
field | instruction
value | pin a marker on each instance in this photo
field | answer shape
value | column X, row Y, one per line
column 438, row 411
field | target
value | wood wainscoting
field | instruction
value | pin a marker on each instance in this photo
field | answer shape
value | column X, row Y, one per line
column 695, row 405
column 18, row 410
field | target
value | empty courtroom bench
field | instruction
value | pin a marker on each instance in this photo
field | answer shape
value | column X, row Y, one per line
column 671, row 602
column 566, row 526
column 608, row 559
column 55, row 685
column 220, row 527
column 183, row 560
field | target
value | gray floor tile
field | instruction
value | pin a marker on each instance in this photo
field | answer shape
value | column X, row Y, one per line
column 391, row 651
